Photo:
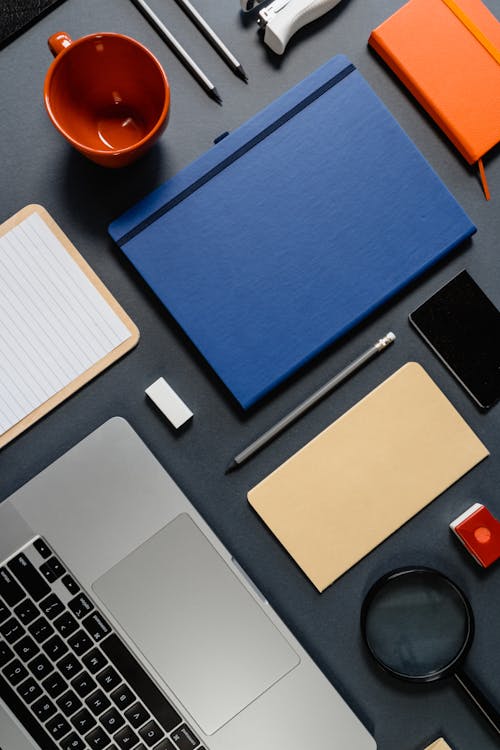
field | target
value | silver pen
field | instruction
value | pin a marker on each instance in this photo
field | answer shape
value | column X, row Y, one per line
column 213, row 38
column 327, row 388
column 179, row 50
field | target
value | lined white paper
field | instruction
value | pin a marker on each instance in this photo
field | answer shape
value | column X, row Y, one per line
column 54, row 324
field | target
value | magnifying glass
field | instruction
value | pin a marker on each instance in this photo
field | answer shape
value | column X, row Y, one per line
column 418, row 626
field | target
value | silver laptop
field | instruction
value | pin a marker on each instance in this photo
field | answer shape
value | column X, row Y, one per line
column 124, row 622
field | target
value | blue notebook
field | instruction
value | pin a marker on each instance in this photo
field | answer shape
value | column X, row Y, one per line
column 292, row 229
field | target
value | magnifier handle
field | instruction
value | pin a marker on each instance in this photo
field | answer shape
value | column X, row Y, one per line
column 489, row 712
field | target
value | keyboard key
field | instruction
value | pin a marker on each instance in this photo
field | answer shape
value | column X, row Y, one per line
column 55, row 648
column 69, row 703
column 57, row 566
column 43, row 708
column 83, row 721
column 40, row 666
column 27, row 574
column 58, row 726
column 41, row 629
column 112, row 720
column 52, row 569
column 80, row 642
column 47, row 573
column 122, row 697
column 136, row 715
column 94, row 661
column 12, row 630
column 42, row 548
column 96, row 625
column 4, row 612
column 29, row 690
column 72, row 742
column 184, row 739
column 97, row 738
column 15, row 672
column 80, row 606
column 83, row 684
column 126, row 738
column 26, row 648
column 54, row 685
column 141, row 683
column 10, row 590
column 108, row 679
column 98, row 702
column 165, row 745
column 6, row 653
column 69, row 666
column 151, row 733
column 70, row 584
column 26, row 611
column 51, row 606
column 66, row 624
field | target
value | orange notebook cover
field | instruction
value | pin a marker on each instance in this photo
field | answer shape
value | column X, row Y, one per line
column 447, row 53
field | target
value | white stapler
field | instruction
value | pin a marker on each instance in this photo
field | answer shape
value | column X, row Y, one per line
column 282, row 18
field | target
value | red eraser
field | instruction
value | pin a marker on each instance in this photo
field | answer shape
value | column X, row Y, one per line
column 479, row 532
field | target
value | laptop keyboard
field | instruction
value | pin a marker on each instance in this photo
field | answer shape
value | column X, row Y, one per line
column 66, row 675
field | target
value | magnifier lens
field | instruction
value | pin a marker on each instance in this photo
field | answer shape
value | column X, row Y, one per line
column 417, row 624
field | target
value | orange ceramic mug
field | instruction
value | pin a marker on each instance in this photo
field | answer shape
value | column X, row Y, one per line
column 108, row 95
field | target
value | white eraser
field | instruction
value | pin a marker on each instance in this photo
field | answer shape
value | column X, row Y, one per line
column 168, row 402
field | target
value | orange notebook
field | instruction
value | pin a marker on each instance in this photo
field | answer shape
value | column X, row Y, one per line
column 447, row 53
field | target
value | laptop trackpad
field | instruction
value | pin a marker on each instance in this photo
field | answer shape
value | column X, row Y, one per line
column 190, row 616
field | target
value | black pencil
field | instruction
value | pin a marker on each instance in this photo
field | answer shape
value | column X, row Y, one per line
column 340, row 378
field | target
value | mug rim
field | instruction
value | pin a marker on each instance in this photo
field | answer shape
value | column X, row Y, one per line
column 90, row 149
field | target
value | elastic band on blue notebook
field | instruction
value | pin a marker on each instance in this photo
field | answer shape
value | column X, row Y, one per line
column 236, row 155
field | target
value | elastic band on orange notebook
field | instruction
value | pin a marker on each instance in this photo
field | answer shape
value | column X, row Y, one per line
column 484, row 182
column 475, row 30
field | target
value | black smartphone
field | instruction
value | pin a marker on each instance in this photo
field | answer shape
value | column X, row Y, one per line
column 462, row 326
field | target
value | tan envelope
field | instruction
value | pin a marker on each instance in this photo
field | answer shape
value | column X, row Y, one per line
column 363, row 477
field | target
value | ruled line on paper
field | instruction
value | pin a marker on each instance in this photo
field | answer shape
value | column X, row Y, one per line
column 54, row 324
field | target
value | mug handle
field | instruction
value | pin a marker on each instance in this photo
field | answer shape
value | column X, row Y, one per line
column 58, row 42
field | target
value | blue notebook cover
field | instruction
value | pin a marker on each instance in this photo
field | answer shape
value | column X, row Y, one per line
column 292, row 229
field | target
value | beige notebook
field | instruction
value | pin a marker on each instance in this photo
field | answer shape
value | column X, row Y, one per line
column 367, row 474
column 439, row 745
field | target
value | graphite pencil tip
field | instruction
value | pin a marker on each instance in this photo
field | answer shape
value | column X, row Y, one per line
column 231, row 467
column 216, row 95
column 241, row 73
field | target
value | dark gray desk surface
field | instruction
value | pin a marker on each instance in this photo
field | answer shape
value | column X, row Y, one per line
column 36, row 165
